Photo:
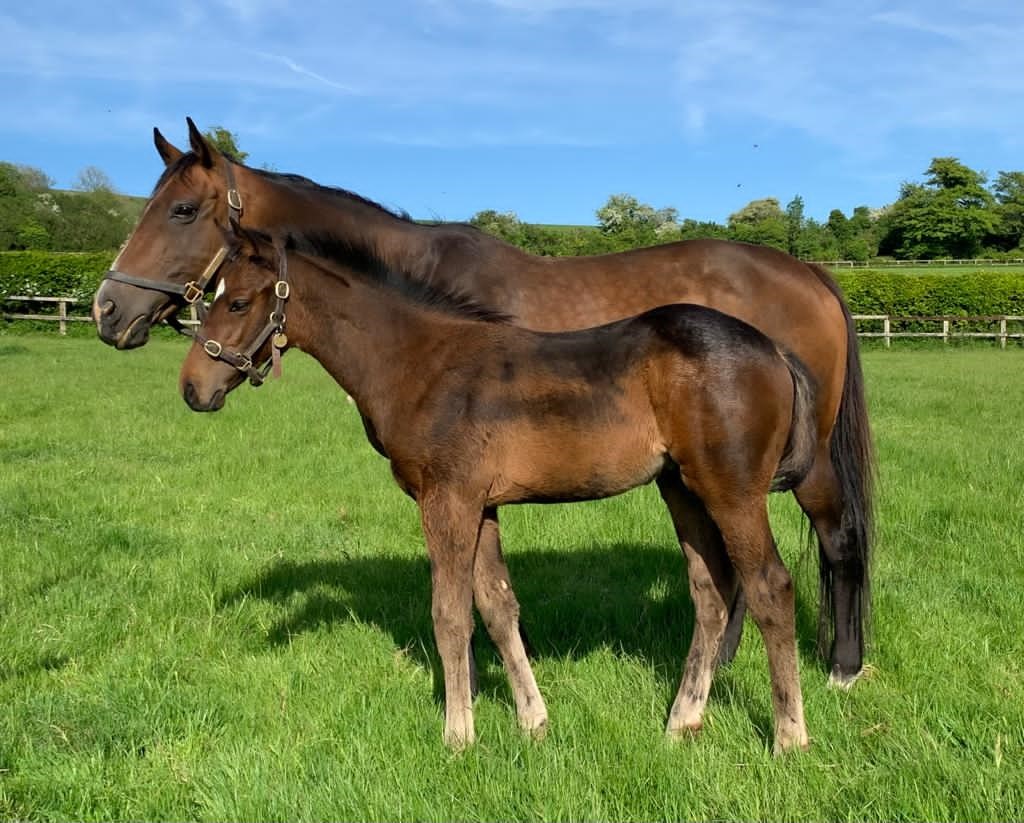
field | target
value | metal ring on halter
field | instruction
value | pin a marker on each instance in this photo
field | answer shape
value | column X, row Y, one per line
column 282, row 290
column 274, row 319
column 213, row 348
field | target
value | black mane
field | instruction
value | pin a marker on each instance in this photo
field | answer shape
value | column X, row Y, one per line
column 190, row 159
column 336, row 249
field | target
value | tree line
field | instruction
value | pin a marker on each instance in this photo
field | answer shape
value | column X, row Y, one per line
column 955, row 212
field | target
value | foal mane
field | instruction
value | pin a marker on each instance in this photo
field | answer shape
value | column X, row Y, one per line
column 336, row 249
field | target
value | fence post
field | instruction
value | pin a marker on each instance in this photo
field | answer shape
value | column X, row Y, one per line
column 63, row 311
column 887, row 331
column 945, row 331
column 1002, row 333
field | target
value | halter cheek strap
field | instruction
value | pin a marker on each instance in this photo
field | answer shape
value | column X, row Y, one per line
column 274, row 326
column 191, row 293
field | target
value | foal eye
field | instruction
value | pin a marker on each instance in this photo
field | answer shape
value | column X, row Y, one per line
column 184, row 211
column 238, row 305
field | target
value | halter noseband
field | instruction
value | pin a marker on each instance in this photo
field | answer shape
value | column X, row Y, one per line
column 191, row 292
column 274, row 326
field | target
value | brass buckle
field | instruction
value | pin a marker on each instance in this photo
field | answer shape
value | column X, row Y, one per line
column 273, row 319
column 213, row 348
column 235, row 200
column 244, row 364
column 282, row 289
column 193, row 293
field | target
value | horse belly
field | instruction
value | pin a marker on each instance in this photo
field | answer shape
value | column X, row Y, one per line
column 576, row 465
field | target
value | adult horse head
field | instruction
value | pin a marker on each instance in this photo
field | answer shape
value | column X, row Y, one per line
column 173, row 255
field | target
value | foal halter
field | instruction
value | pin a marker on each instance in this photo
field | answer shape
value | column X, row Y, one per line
column 192, row 292
column 274, row 326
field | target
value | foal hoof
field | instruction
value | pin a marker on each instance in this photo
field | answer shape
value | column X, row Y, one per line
column 684, row 732
column 795, row 744
column 536, row 731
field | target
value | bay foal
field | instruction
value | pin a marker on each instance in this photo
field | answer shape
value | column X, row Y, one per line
column 474, row 413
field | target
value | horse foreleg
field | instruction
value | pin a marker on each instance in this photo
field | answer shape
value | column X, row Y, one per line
column 712, row 588
column 450, row 526
column 497, row 603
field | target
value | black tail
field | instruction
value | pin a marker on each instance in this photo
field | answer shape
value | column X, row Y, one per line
column 853, row 460
column 803, row 430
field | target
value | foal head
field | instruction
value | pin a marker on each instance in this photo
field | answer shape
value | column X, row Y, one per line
column 243, row 327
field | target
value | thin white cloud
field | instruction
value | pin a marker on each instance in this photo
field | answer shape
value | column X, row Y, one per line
column 304, row 72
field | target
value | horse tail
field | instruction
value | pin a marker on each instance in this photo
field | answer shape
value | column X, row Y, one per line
column 852, row 456
column 803, row 430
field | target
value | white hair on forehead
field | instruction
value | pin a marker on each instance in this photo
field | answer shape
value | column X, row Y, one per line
column 222, row 287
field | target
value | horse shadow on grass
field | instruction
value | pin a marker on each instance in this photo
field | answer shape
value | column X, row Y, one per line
column 631, row 598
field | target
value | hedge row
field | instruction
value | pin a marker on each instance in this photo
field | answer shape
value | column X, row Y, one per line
column 867, row 292
column 53, row 274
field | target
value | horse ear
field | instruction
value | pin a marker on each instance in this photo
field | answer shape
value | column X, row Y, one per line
column 167, row 152
column 199, row 145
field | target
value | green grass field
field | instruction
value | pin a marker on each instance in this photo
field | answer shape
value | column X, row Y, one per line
column 227, row 616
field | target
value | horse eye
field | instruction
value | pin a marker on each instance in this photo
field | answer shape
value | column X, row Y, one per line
column 238, row 305
column 184, row 211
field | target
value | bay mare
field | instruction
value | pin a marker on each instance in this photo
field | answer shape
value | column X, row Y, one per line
column 180, row 238
column 474, row 413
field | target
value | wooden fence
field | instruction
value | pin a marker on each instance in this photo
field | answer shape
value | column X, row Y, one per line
column 884, row 326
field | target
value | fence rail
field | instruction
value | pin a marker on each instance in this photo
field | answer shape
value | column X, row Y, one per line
column 946, row 327
column 903, row 264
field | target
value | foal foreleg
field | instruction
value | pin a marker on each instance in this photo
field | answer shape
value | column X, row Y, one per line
column 712, row 588
column 497, row 604
column 451, row 526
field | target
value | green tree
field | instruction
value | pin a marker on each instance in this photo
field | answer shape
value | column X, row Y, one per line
column 226, row 142
column 505, row 225
column 1009, row 193
column 632, row 224
column 796, row 242
column 23, row 207
column 92, row 178
column 762, row 222
column 949, row 215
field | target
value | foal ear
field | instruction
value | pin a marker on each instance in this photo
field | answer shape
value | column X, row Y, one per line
column 199, row 145
column 167, row 152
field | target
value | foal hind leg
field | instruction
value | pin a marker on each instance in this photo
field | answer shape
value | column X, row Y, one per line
column 842, row 573
column 712, row 588
column 769, row 591
column 497, row 604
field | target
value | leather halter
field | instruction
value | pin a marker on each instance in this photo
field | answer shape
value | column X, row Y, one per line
column 192, row 292
column 274, row 327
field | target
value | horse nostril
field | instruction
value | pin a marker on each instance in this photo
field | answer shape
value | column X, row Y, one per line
column 190, row 394
column 107, row 308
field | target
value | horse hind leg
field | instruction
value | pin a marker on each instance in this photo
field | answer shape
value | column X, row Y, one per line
column 842, row 574
column 769, row 592
column 499, row 608
column 712, row 588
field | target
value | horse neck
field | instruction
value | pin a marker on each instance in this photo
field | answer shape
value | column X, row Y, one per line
column 372, row 341
column 274, row 205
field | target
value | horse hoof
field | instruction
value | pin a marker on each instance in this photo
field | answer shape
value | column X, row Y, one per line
column 838, row 680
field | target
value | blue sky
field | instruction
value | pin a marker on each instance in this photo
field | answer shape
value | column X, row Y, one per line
column 542, row 107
